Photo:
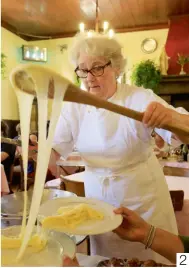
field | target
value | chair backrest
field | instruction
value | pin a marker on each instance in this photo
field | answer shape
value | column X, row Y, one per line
column 177, row 197
column 74, row 186
column 175, row 171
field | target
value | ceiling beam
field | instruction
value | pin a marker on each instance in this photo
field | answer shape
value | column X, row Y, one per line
column 178, row 16
column 121, row 30
column 55, row 36
column 71, row 34
column 143, row 28
column 13, row 30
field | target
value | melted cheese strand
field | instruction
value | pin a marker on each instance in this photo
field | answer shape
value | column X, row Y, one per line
column 25, row 108
column 44, row 148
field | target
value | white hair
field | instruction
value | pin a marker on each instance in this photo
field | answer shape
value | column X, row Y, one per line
column 97, row 45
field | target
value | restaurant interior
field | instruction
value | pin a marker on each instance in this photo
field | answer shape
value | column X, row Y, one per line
column 154, row 39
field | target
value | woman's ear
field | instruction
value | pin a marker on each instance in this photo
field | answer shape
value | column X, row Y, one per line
column 117, row 73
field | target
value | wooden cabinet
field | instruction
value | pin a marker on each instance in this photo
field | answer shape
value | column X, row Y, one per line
column 175, row 90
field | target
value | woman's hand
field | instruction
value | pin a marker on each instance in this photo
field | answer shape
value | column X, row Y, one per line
column 33, row 139
column 133, row 227
column 157, row 115
column 159, row 141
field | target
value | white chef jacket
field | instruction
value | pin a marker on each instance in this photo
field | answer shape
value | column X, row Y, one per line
column 121, row 167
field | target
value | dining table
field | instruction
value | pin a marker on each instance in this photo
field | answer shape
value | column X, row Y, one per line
column 72, row 164
column 172, row 162
column 4, row 182
column 174, row 182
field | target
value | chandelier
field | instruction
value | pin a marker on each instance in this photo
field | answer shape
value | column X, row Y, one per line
column 106, row 29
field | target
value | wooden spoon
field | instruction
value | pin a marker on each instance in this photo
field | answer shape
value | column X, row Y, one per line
column 31, row 78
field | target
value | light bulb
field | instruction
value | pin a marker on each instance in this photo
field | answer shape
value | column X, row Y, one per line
column 34, row 56
column 89, row 34
column 27, row 54
column 105, row 26
column 111, row 33
column 82, row 27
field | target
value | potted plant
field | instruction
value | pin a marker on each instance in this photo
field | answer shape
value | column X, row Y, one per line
column 182, row 60
column 3, row 64
column 146, row 74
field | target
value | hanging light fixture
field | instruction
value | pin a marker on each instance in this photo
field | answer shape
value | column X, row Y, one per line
column 106, row 29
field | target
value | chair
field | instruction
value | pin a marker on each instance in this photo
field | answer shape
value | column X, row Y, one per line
column 177, row 197
column 72, row 186
column 65, row 170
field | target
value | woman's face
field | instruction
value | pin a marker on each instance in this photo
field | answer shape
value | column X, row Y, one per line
column 102, row 86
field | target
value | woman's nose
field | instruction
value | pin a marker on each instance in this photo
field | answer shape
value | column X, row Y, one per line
column 90, row 77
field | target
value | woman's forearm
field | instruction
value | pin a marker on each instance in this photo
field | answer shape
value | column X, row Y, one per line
column 167, row 244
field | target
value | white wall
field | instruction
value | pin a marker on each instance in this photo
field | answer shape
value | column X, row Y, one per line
column 11, row 47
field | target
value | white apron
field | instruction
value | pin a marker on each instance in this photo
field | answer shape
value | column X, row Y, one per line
column 122, row 170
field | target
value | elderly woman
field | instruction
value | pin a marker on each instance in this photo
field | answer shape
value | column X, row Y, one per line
column 121, row 168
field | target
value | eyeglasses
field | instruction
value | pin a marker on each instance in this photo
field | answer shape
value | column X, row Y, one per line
column 95, row 71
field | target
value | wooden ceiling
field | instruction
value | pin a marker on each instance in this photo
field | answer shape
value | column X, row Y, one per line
column 60, row 18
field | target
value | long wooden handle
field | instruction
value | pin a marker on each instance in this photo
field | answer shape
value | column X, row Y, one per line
column 73, row 94
column 80, row 96
column 27, row 77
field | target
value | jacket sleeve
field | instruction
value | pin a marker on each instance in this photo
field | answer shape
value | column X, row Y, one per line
column 149, row 96
column 166, row 135
column 185, row 241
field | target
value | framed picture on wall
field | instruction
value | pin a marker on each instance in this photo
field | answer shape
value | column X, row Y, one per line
column 34, row 53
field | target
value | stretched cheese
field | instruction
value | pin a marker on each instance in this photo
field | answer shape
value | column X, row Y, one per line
column 36, row 241
column 72, row 216
column 40, row 80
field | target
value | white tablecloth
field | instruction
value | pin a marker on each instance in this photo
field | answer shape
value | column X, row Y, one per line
column 178, row 183
column 78, row 177
column 89, row 261
column 173, row 163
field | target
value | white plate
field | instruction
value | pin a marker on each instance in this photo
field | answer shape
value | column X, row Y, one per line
column 68, row 243
column 109, row 223
column 58, row 245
